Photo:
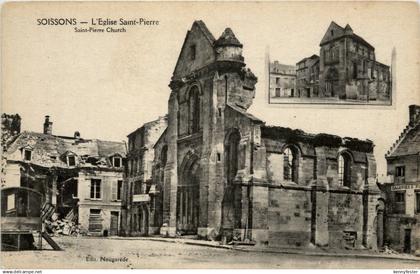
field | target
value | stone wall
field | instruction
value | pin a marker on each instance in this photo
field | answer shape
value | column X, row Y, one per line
column 289, row 217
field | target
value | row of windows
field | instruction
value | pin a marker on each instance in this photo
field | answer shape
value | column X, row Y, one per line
column 71, row 160
column 278, row 79
column 291, row 167
column 96, row 190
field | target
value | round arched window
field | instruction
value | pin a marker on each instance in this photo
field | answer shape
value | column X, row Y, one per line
column 290, row 164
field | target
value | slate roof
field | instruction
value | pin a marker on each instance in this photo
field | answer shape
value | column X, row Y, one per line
column 407, row 144
column 282, row 68
column 205, row 30
column 343, row 33
column 314, row 58
column 51, row 150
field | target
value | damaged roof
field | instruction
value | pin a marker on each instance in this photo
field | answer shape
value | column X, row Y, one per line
column 320, row 139
column 51, row 150
column 228, row 38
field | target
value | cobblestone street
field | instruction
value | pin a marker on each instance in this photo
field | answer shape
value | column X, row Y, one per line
column 85, row 252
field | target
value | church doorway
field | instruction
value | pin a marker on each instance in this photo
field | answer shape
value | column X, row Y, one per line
column 188, row 199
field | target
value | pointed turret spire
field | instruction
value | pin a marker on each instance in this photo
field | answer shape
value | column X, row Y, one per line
column 228, row 38
column 348, row 29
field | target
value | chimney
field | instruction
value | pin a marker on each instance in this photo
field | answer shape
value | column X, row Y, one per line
column 76, row 135
column 414, row 111
column 47, row 125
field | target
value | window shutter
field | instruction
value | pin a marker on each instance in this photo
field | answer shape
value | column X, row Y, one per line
column 114, row 190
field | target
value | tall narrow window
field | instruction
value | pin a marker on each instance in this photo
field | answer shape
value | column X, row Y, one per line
column 400, row 171
column 95, row 189
column 164, row 156
column 400, row 174
column 27, row 155
column 194, row 110
column 192, row 52
column 116, row 161
column 354, row 70
column 417, row 201
column 290, row 165
column 399, row 206
column 232, row 150
column 71, row 160
column 344, row 167
column 119, row 189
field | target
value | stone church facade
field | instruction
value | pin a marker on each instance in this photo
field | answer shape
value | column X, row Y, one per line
column 222, row 174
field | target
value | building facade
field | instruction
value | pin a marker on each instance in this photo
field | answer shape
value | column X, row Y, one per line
column 142, row 200
column 81, row 177
column 403, row 194
column 282, row 80
column 345, row 70
column 225, row 175
column 307, row 74
column 348, row 68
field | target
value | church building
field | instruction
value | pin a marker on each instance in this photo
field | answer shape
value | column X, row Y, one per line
column 223, row 174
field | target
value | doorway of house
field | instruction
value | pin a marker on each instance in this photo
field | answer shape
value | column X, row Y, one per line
column 407, row 241
column 114, row 223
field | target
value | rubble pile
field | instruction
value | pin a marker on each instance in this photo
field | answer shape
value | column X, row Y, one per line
column 65, row 226
column 388, row 250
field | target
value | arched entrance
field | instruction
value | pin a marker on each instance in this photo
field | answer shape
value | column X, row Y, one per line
column 188, row 196
column 331, row 83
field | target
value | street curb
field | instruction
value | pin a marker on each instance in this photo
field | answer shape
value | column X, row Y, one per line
column 176, row 240
column 328, row 254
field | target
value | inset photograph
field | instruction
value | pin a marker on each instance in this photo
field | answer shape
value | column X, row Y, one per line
column 345, row 70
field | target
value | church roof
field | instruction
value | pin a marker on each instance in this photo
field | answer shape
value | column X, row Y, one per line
column 320, row 139
column 228, row 38
column 340, row 32
column 205, row 30
column 245, row 113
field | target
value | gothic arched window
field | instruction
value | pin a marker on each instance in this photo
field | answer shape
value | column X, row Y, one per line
column 164, row 156
column 194, row 110
column 344, row 167
column 290, row 165
column 232, row 151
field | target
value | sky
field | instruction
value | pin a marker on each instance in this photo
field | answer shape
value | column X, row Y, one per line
column 106, row 85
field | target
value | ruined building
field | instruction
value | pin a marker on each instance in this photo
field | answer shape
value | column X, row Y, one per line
column 403, row 194
column 224, row 175
column 282, row 80
column 10, row 128
column 142, row 193
column 81, row 177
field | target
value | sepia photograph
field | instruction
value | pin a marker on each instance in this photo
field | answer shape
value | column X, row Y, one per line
column 210, row 135
column 345, row 72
